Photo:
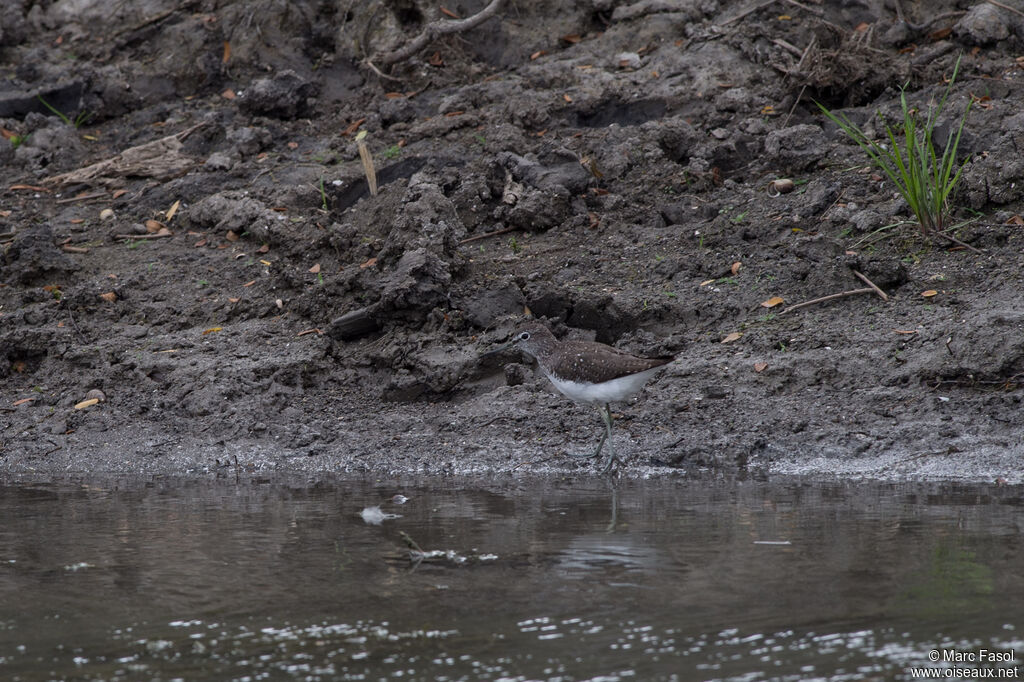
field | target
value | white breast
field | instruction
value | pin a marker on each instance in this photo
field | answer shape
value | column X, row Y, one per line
column 614, row 391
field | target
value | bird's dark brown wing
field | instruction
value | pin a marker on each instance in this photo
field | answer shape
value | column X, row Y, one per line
column 596, row 362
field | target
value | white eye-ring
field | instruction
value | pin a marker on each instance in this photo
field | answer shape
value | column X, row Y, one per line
column 525, row 336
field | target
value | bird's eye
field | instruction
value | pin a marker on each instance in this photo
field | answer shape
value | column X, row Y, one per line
column 525, row 336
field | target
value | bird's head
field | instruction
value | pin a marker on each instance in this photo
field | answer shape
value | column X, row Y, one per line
column 533, row 338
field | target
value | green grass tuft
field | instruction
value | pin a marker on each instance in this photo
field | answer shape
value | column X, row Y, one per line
column 910, row 161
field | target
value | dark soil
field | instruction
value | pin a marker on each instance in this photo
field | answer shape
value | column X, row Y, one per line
column 292, row 321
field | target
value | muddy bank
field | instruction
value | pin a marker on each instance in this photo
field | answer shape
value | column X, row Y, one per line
column 227, row 283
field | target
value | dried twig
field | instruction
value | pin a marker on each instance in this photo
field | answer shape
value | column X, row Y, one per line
column 161, row 159
column 380, row 73
column 830, row 297
column 749, row 10
column 1006, row 7
column 83, row 197
column 134, row 237
column 813, row 10
column 436, row 29
column 475, row 237
column 862, row 277
column 957, row 241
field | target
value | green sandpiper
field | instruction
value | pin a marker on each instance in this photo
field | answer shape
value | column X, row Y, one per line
column 587, row 372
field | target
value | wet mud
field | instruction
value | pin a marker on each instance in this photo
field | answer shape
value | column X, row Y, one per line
column 195, row 275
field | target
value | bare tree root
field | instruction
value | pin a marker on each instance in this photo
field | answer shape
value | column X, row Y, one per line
column 432, row 32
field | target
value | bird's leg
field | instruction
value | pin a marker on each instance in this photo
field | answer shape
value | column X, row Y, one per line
column 606, row 413
column 604, row 436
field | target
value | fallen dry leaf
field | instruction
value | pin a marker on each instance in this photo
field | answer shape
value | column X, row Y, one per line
column 760, row 367
column 249, row 284
column 707, row 282
column 119, row 193
column 109, row 296
column 729, row 338
column 211, row 330
column 86, row 403
column 735, row 267
column 537, row 55
column 227, row 53
column 228, row 94
column 173, row 209
column 153, row 226
column 368, row 264
column 572, row 38
column 293, row 145
column 354, row 125
column 929, row 293
column 448, row 12
column 1015, row 220
column 772, row 302
column 233, row 300
column 436, row 59
column 265, row 262
column 32, row 188
column 263, row 249
column 315, row 269
column 905, row 331
column 231, row 236
column 201, row 242
column 567, row 98
column 22, row 401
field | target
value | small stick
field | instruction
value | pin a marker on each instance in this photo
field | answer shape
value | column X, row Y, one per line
column 747, row 11
column 379, row 72
column 793, row 108
column 788, row 46
column 74, row 249
column 813, row 10
column 957, row 241
column 159, row 235
column 505, row 230
column 862, row 277
column 1006, row 7
column 84, row 197
column 74, row 324
column 852, row 292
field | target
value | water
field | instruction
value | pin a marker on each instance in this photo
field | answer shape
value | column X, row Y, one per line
column 170, row 579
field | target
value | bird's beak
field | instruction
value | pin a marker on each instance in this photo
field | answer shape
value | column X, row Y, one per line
column 499, row 349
